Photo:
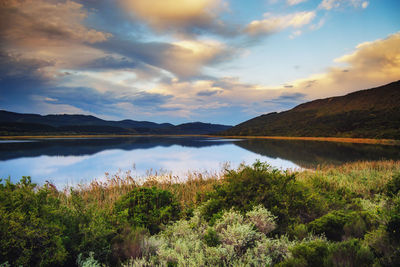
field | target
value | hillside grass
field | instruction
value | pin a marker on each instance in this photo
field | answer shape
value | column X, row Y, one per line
column 254, row 215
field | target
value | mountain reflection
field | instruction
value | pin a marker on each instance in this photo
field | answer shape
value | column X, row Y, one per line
column 306, row 154
column 90, row 146
column 311, row 154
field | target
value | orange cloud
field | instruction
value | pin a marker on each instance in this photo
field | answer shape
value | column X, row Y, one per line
column 186, row 58
column 39, row 22
column 371, row 64
column 48, row 31
column 272, row 23
column 166, row 14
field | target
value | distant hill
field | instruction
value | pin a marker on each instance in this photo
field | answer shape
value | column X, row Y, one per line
column 371, row 113
column 12, row 123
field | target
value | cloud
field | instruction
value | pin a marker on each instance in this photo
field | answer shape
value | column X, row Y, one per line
column 39, row 22
column 177, row 15
column 371, row 64
column 50, row 32
column 332, row 4
column 294, row 2
column 193, row 55
column 183, row 59
column 290, row 97
column 274, row 23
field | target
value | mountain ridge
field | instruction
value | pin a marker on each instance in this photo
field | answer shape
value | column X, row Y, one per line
column 13, row 123
column 368, row 113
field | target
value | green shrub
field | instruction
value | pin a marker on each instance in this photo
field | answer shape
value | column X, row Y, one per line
column 211, row 238
column 319, row 253
column 232, row 241
column 339, row 225
column 148, row 208
column 393, row 224
column 262, row 219
column 129, row 243
column 393, row 186
column 350, row 253
column 31, row 226
column 258, row 184
column 89, row 229
column 308, row 254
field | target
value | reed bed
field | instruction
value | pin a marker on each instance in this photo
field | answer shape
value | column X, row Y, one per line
column 363, row 177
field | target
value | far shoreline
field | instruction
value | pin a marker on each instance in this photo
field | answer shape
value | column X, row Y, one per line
column 322, row 139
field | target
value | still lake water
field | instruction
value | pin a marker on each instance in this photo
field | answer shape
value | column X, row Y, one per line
column 71, row 161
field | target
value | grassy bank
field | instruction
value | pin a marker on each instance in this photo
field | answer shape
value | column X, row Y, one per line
column 251, row 216
column 324, row 139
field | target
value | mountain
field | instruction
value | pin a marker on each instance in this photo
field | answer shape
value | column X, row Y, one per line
column 12, row 123
column 371, row 113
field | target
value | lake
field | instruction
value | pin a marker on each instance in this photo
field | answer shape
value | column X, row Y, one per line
column 71, row 161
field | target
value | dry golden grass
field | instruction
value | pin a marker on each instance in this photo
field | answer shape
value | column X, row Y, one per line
column 326, row 139
column 105, row 193
column 363, row 178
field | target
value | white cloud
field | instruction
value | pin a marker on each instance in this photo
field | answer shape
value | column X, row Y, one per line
column 294, row 2
column 331, row 4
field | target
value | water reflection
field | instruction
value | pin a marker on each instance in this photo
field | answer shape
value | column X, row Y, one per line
column 311, row 154
column 69, row 161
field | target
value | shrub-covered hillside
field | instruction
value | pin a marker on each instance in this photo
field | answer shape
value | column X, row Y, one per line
column 252, row 216
column 371, row 113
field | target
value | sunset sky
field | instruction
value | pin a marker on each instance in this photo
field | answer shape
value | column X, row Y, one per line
column 219, row 61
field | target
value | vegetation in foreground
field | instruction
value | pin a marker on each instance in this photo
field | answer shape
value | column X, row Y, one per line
column 252, row 216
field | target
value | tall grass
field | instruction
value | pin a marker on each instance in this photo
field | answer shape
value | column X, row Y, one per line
column 188, row 190
column 362, row 178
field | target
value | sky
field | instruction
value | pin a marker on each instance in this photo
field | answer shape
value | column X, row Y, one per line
column 177, row 61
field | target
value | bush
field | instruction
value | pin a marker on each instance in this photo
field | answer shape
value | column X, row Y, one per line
column 393, row 224
column 341, row 224
column 319, row 253
column 211, row 238
column 232, row 241
column 308, row 254
column 393, row 186
column 148, row 208
column 258, row 184
column 31, row 226
column 262, row 218
column 350, row 253
column 129, row 243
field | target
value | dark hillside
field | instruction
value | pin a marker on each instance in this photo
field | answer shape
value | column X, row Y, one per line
column 371, row 113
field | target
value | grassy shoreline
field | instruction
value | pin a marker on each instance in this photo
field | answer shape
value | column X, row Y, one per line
column 322, row 139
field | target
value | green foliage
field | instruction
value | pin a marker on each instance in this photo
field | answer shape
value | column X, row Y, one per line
column 256, row 216
column 312, row 254
column 31, row 230
column 319, row 253
column 148, row 208
column 278, row 191
column 350, row 253
column 342, row 224
column 232, row 241
column 211, row 238
column 393, row 224
column 393, row 186
column 88, row 262
column 129, row 243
